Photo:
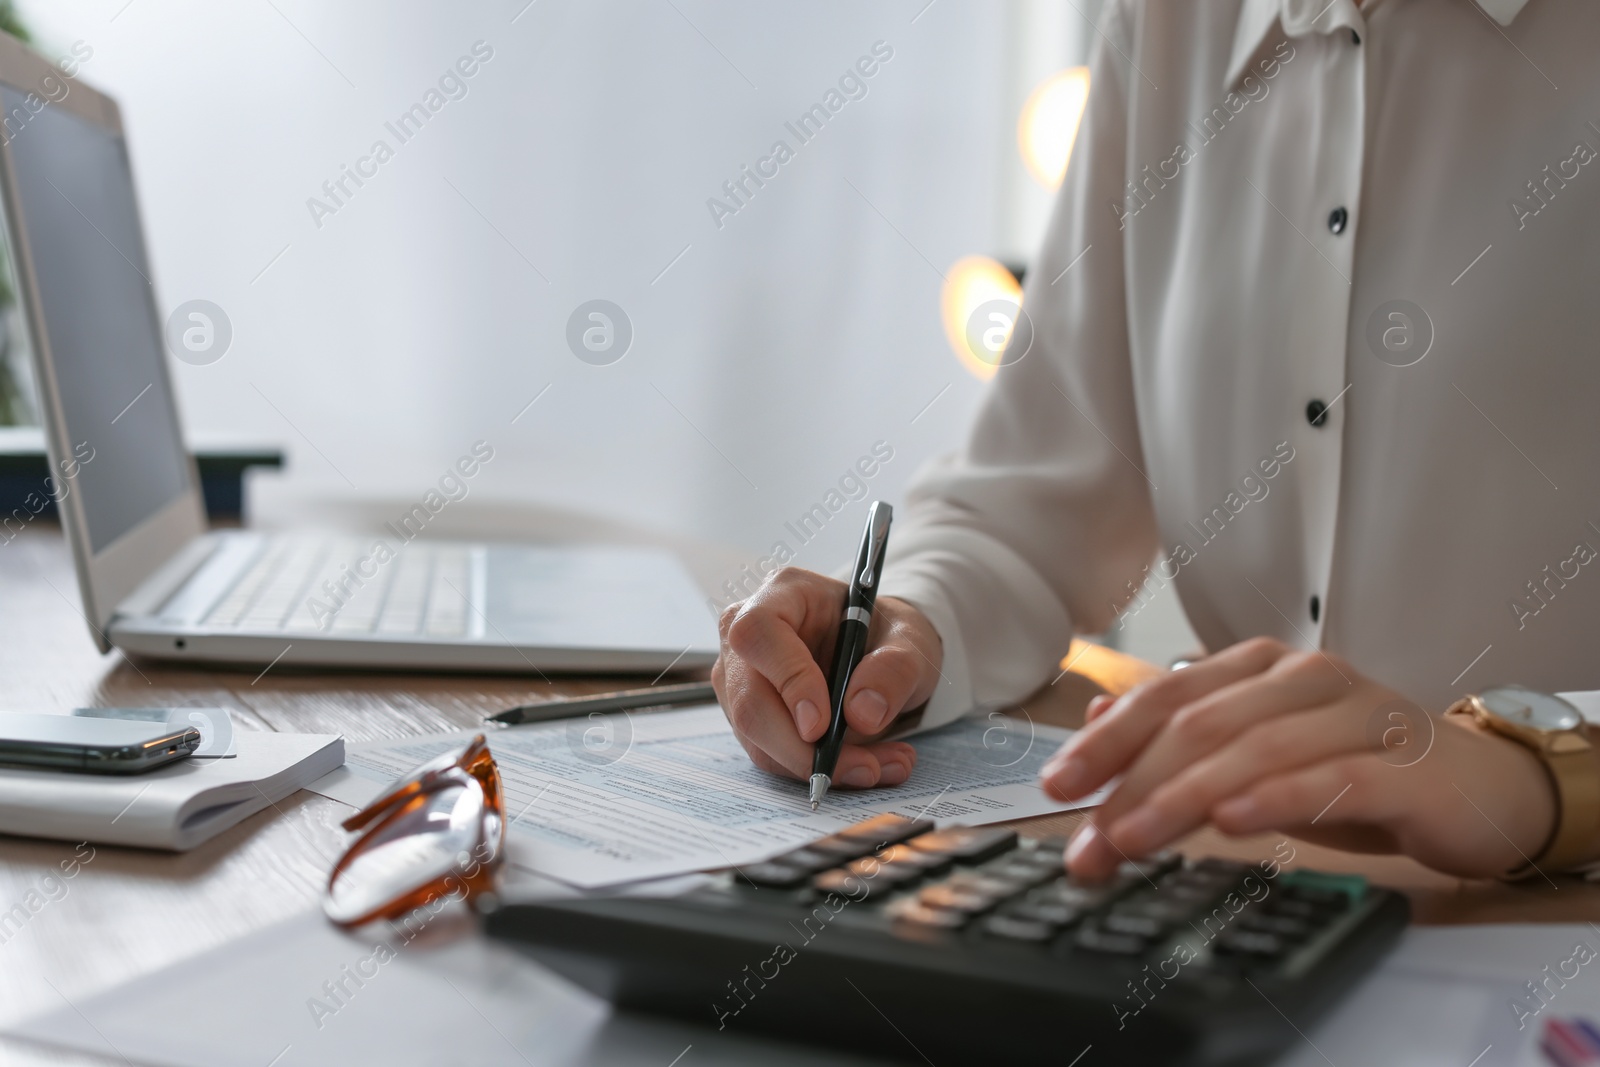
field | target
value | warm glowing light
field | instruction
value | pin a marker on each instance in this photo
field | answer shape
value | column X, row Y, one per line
column 1049, row 124
column 969, row 284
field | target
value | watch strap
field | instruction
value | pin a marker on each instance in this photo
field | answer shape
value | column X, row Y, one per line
column 1574, row 774
column 1576, row 838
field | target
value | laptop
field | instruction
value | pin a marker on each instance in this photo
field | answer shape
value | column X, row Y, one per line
column 154, row 580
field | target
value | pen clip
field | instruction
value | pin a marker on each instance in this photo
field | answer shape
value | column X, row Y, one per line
column 877, row 537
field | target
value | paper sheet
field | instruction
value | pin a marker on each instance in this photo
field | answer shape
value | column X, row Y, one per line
column 617, row 798
column 1442, row 999
column 303, row 994
column 1459, row 996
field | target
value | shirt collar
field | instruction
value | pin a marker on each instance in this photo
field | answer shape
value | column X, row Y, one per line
column 1300, row 17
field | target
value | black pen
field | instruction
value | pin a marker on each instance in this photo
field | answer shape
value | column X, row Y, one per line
column 852, row 642
column 660, row 696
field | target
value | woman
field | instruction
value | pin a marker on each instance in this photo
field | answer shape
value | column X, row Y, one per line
column 1312, row 325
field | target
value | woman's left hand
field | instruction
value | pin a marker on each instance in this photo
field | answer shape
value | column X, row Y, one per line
column 1263, row 737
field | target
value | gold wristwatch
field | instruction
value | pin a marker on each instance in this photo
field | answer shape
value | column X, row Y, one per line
column 1554, row 731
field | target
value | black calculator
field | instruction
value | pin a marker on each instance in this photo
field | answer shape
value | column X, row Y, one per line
column 971, row 946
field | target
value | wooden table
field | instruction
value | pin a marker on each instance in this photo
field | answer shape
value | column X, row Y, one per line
column 129, row 912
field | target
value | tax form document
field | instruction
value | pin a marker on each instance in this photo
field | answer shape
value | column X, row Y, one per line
column 617, row 798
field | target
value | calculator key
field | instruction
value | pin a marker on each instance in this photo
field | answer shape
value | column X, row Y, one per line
column 806, row 860
column 1213, row 874
column 1332, row 899
column 840, row 848
column 883, row 874
column 1189, row 893
column 1150, row 867
column 1209, row 881
column 1137, row 925
column 1159, row 908
column 773, row 876
column 1219, row 868
column 844, row 883
column 956, row 898
column 1045, row 911
column 967, row 844
column 902, row 873
column 1047, row 871
column 1280, row 925
column 1064, row 891
column 930, row 863
column 1045, row 856
column 862, row 920
column 1052, row 846
column 1249, row 943
column 1295, row 909
column 1014, row 928
column 912, row 911
column 996, row 888
column 1025, row 875
column 881, row 830
column 1097, row 940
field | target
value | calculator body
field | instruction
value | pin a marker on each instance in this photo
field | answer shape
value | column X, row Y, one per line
column 989, row 954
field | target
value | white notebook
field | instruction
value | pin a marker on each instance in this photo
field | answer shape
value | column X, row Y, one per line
column 173, row 807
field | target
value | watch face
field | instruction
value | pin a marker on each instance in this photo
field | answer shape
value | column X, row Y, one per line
column 1527, row 708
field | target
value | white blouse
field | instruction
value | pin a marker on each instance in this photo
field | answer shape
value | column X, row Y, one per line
column 1316, row 324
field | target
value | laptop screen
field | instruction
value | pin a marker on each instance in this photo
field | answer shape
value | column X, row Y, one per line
column 75, row 192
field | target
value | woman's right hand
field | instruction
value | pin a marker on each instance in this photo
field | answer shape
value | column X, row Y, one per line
column 773, row 687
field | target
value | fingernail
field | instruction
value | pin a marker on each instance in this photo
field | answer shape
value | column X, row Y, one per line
column 870, row 707
column 859, row 777
column 893, row 773
column 808, row 718
column 1067, row 774
column 1080, row 841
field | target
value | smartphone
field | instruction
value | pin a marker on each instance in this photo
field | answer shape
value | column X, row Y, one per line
column 97, row 746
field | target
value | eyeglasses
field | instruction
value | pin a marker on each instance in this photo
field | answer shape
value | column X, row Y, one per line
column 438, row 833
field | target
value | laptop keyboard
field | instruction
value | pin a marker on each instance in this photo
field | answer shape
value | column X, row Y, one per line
column 336, row 586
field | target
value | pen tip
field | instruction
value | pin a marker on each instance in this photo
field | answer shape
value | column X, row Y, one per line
column 813, row 805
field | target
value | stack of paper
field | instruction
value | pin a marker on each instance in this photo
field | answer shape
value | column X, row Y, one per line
column 173, row 807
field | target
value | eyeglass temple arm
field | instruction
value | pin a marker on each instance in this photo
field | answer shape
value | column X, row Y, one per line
column 474, row 760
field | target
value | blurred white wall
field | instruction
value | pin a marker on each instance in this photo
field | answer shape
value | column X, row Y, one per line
column 769, row 354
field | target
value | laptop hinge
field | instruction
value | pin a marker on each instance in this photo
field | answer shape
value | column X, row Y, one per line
column 166, row 579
